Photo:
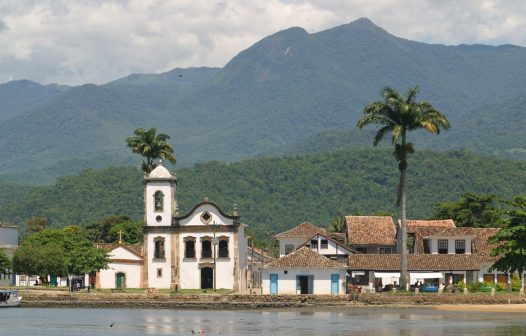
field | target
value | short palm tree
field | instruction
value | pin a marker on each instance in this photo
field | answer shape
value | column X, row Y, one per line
column 151, row 146
column 398, row 115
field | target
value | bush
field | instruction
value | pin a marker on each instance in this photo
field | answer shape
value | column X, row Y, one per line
column 516, row 282
column 476, row 286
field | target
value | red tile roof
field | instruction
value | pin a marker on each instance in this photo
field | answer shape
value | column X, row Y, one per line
column 304, row 230
column 429, row 223
column 415, row 262
column 371, row 230
column 304, row 258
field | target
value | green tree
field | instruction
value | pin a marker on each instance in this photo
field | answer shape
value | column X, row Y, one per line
column 36, row 224
column 511, row 240
column 131, row 232
column 337, row 225
column 5, row 262
column 471, row 210
column 58, row 252
column 151, row 146
column 100, row 231
column 398, row 115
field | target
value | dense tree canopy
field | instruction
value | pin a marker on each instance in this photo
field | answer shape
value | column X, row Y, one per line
column 5, row 262
column 471, row 210
column 512, row 238
column 58, row 252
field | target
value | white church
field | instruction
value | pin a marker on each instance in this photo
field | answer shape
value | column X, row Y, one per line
column 203, row 249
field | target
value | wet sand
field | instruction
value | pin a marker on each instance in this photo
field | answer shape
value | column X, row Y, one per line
column 492, row 308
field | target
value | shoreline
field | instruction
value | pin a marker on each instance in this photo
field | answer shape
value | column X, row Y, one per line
column 509, row 303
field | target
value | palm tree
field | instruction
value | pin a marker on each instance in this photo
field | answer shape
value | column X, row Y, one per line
column 398, row 115
column 337, row 225
column 151, row 147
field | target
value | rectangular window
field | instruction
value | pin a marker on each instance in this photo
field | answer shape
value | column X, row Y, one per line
column 314, row 244
column 411, row 243
column 223, row 249
column 189, row 250
column 385, row 250
column 427, row 246
column 324, row 244
column 159, row 249
column 460, row 246
column 361, row 250
column 442, row 246
column 159, row 272
column 289, row 248
column 206, row 249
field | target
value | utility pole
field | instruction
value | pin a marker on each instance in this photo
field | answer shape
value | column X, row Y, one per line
column 214, row 244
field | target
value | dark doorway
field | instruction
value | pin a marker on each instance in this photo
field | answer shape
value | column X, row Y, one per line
column 207, row 277
column 304, row 284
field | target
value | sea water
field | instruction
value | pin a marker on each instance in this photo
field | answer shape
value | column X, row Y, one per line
column 355, row 321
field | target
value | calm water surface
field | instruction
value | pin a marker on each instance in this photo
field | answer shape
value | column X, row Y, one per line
column 356, row 321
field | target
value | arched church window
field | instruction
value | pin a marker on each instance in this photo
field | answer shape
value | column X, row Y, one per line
column 159, row 248
column 158, row 201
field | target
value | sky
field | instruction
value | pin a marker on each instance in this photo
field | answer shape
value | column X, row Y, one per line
column 95, row 41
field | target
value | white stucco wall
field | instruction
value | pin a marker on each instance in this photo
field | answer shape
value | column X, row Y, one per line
column 168, row 202
column 164, row 264
column 190, row 275
column 450, row 244
column 287, row 282
column 123, row 261
column 332, row 247
column 285, row 241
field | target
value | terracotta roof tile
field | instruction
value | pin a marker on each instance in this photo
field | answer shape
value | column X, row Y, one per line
column 371, row 230
column 304, row 230
column 415, row 262
column 304, row 258
column 429, row 223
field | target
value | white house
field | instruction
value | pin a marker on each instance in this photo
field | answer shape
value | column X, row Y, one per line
column 328, row 247
column 290, row 240
column 304, row 272
column 125, row 269
column 206, row 248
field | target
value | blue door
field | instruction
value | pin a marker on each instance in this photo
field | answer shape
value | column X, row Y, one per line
column 335, row 279
column 273, row 284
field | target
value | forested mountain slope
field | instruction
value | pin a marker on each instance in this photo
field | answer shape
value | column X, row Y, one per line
column 276, row 193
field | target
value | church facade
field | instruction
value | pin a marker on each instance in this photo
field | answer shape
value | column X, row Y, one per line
column 203, row 249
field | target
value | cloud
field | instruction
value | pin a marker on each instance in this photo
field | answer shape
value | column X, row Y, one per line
column 81, row 41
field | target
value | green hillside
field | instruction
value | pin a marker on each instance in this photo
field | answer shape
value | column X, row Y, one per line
column 273, row 96
column 277, row 192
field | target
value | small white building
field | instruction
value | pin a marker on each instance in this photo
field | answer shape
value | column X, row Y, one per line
column 125, row 268
column 304, row 272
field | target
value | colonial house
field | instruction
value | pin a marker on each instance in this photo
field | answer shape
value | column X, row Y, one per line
column 439, row 252
column 304, row 271
column 328, row 247
column 205, row 248
column 290, row 240
column 125, row 268
column 8, row 245
column 371, row 234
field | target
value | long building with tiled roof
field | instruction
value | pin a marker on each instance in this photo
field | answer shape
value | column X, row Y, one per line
column 371, row 234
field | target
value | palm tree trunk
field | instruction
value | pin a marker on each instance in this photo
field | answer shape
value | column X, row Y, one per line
column 403, row 232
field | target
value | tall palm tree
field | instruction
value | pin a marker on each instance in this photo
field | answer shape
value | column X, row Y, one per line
column 151, row 146
column 398, row 115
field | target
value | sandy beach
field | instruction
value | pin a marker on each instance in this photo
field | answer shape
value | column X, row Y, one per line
column 492, row 308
